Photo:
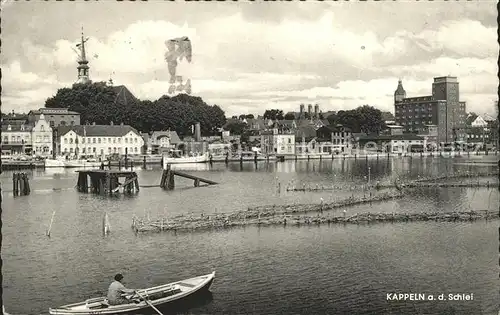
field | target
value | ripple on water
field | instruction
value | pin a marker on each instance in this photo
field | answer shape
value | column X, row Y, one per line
column 270, row 270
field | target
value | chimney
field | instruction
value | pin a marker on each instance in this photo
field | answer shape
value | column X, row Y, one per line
column 197, row 132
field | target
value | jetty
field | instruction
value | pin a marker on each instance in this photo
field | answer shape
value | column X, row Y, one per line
column 167, row 179
column 107, row 182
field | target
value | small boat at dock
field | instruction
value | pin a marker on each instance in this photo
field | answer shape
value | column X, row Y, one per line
column 156, row 296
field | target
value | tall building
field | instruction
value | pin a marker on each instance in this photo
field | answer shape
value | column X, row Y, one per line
column 443, row 109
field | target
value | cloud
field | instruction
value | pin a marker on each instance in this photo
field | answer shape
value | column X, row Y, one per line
column 461, row 38
column 243, row 62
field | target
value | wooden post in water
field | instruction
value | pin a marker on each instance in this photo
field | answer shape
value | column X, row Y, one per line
column 171, row 180
column 144, row 162
column 21, row 184
column 197, row 182
column 136, row 184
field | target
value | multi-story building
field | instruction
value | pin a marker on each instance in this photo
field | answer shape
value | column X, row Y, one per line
column 98, row 140
column 56, row 116
column 276, row 141
column 339, row 136
column 25, row 137
column 478, row 131
column 443, row 109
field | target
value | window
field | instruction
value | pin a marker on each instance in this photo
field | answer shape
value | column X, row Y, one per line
column 103, row 140
column 72, row 123
column 83, row 140
column 93, row 149
column 114, row 140
column 135, row 149
column 42, row 127
column 119, row 140
column 93, row 140
column 109, row 149
column 83, row 150
column 135, row 140
column 65, row 140
column 70, row 150
column 63, row 123
column 70, row 140
column 99, row 140
column 126, row 140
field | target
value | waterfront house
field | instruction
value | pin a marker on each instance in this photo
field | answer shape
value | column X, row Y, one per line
column 477, row 131
column 162, row 141
column 339, row 137
column 16, row 138
column 55, row 116
column 98, row 140
column 277, row 141
column 25, row 137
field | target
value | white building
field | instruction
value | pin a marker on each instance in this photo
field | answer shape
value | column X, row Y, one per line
column 98, row 140
column 41, row 137
column 275, row 142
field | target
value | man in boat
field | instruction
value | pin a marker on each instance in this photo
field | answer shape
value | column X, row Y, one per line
column 117, row 290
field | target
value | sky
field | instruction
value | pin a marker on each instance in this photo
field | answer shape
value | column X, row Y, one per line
column 252, row 56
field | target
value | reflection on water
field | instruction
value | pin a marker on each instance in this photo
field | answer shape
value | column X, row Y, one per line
column 316, row 269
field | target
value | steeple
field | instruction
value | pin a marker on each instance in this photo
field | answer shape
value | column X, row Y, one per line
column 83, row 68
column 400, row 92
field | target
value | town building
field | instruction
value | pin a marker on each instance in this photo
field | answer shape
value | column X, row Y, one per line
column 480, row 132
column 277, row 141
column 339, row 137
column 443, row 108
column 55, row 116
column 98, row 140
column 27, row 137
column 392, row 144
column 159, row 142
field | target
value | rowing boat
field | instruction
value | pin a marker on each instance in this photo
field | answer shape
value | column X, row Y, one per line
column 157, row 296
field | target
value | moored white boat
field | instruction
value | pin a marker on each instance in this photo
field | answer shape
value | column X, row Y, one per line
column 159, row 295
column 202, row 158
column 54, row 163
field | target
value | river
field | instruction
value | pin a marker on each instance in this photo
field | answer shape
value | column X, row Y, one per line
column 324, row 269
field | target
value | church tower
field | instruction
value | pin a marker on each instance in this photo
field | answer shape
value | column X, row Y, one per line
column 400, row 92
column 83, row 67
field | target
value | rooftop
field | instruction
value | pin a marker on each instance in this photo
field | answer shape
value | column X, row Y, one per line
column 97, row 130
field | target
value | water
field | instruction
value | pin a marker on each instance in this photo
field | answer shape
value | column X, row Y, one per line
column 270, row 270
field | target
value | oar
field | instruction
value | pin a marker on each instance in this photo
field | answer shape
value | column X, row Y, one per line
column 149, row 303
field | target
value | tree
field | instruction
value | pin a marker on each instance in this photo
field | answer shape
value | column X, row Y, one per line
column 97, row 102
column 290, row 116
column 273, row 114
column 362, row 119
column 236, row 128
column 250, row 116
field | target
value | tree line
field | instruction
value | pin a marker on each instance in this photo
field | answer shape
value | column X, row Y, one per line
column 99, row 103
column 365, row 119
